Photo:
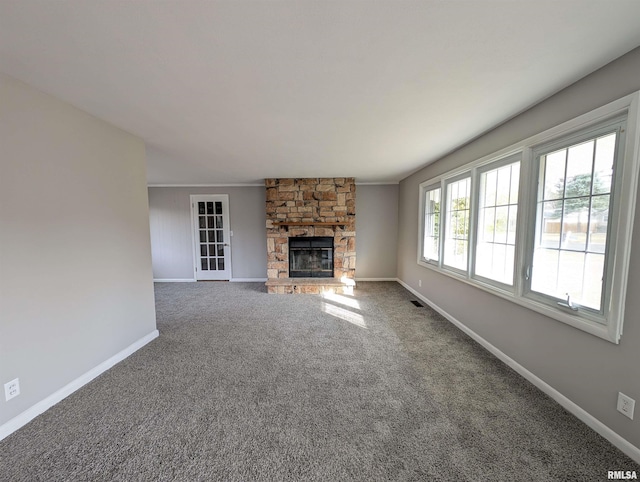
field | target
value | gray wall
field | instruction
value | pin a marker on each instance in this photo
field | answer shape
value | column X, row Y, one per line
column 586, row 369
column 376, row 231
column 171, row 241
column 75, row 260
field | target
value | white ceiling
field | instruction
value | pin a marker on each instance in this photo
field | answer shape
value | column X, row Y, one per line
column 236, row 91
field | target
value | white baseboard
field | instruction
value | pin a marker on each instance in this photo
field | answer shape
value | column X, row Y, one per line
column 170, row 280
column 43, row 405
column 627, row 447
column 376, row 279
column 186, row 280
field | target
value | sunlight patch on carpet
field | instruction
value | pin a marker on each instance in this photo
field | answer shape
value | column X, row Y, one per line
column 344, row 314
column 343, row 300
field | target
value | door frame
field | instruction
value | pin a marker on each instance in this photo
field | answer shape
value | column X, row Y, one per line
column 195, row 245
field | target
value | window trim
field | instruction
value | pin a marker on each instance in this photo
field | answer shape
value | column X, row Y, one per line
column 598, row 316
column 423, row 198
column 622, row 216
column 443, row 216
column 497, row 164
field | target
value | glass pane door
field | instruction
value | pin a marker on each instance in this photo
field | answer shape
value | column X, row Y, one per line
column 211, row 237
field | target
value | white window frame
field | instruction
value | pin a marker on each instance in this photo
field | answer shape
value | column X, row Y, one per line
column 607, row 325
column 496, row 164
column 444, row 229
column 423, row 198
column 598, row 316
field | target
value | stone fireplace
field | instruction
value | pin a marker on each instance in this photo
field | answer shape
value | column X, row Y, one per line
column 304, row 211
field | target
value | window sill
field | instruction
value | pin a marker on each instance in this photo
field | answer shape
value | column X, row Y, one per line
column 579, row 321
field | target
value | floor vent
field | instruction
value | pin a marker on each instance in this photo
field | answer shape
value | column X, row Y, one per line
column 417, row 303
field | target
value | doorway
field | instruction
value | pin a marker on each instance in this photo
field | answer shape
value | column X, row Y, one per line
column 212, row 249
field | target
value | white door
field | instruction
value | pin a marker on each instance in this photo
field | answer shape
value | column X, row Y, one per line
column 210, row 220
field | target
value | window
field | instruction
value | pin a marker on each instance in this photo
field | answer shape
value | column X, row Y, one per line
column 575, row 181
column 431, row 244
column 497, row 221
column 545, row 223
column 456, row 240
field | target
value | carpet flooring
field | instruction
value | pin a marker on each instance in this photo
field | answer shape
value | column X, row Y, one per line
column 244, row 386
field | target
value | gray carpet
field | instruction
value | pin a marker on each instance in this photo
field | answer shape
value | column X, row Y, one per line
column 242, row 385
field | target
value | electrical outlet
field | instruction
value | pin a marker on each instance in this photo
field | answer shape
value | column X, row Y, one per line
column 11, row 389
column 419, row 283
column 626, row 405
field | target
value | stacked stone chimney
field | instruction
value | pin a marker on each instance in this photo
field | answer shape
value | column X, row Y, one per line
column 310, row 200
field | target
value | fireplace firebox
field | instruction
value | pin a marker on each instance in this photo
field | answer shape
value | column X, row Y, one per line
column 311, row 257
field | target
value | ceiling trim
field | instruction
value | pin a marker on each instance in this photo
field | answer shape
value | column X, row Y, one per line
column 207, row 185
column 385, row 183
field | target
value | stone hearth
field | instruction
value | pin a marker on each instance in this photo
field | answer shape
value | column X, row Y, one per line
column 310, row 207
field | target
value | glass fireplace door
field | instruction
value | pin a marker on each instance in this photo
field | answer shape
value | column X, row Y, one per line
column 311, row 257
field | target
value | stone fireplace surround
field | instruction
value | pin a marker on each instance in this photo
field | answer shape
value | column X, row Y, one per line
column 310, row 207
